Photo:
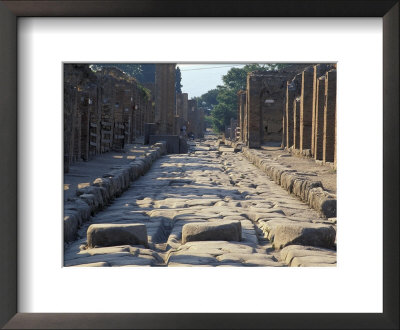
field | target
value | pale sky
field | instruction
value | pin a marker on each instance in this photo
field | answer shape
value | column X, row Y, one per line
column 198, row 79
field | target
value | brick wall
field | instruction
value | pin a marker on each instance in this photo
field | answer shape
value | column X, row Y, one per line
column 102, row 111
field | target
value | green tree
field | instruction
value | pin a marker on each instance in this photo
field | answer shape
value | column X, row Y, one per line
column 209, row 98
column 226, row 95
column 178, row 80
column 144, row 73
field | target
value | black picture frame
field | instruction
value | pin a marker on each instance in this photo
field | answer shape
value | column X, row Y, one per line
column 10, row 10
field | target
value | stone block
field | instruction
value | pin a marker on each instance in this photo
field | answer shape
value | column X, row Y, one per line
column 149, row 129
column 183, row 146
column 286, row 232
column 212, row 231
column 171, row 140
column 116, row 234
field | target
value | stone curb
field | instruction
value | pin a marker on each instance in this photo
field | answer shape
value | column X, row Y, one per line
column 311, row 192
column 101, row 191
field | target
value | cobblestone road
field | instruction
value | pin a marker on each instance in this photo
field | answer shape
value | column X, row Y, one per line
column 208, row 185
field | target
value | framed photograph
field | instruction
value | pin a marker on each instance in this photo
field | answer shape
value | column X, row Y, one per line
column 66, row 95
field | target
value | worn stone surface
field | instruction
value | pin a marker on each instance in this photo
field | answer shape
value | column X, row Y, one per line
column 206, row 186
column 116, row 234
column 307, row 256
column 305, row 185
column 212, row 231
column 285, row 232
column 110, row 178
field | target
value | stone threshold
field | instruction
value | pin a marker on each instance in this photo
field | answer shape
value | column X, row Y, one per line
column 95, row 197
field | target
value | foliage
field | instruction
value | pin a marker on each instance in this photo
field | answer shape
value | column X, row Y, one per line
column 144, row 73
column 208, row 121
column 208, row 100
column 225, row 96
column 178, row 79
column 146, row 93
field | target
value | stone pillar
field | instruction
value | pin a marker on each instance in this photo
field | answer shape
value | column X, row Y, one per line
column 165, row 98
column 241, row 113
column 306, row 108
column 315, row 96
column 329, row 117
column 255, row 130
column 244, row 133
column 179, row 108
column 185, row 106
column 179, row 113
column 84, row 110
column 191, row 117
column 335, row 157
column 296, row 124
column 284, row 133
column 290, row 93
column 200, row 122
column 319, row 118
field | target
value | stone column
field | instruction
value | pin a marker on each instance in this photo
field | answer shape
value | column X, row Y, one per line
column 85, row 138
column 179, row 113
column 255, row 132
column 315, row 96
column 306, row 108
column 241, row 113
column 201, row 122
column 335, row 157
column 290, row 93
column 284, row 133
column 185, row 106
column 165, row 98
column 245, row 121
column 319, row 118
column 329, row 117
column 179, row 108
column 296, row 125
column 191, row 117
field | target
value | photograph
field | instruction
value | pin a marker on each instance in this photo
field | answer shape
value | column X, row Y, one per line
column 199, row 164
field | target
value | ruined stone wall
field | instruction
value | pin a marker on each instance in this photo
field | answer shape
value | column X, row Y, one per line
column 165, row 98
column 179, row 118
column 191, row 117
column 200, row 123
column 263, row 114
column 310, row 112
column 103, row 111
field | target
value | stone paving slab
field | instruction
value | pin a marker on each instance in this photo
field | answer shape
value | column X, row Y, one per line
column 308, row 256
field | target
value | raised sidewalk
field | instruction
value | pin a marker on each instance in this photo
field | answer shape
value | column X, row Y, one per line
column 313, row 183
column 90, row 186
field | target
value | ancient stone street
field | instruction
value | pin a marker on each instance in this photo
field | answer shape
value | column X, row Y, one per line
column 209, row 207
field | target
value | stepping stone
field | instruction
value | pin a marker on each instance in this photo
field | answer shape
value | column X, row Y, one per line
column 285, row 232
column 212, row 231
column 116, row 234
